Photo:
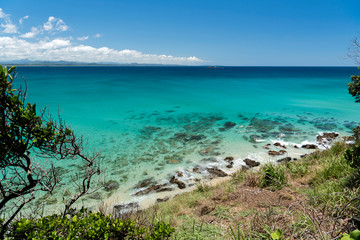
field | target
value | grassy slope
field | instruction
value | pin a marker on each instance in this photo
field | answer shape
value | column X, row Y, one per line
column 308, row 199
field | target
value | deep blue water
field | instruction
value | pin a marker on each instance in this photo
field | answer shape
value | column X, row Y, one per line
column 150, row 122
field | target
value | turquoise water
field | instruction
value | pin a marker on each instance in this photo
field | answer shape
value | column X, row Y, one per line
column 149, row 122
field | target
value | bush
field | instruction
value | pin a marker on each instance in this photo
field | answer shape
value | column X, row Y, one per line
column 353, row 156
column 297, row 169
column 84, row 224
column 356, row 132
column 273, row 176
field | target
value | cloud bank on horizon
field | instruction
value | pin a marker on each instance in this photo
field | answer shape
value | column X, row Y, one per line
column 41, row 44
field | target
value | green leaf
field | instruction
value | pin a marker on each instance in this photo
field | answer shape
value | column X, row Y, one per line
column 346, row 236
column 277, row 235
column 355, row 234
column 12, row 69
column 74, row 219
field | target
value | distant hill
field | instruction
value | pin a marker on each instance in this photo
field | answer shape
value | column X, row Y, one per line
column 26, row 62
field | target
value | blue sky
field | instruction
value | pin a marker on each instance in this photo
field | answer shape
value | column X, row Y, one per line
column 237, row 33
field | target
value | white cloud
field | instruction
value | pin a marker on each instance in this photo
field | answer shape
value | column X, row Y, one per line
column 37, row 45
column 34, row 31
column 55, row 24
column 51, row 26
column 8, row 26
column 3, row 15
column 83, row 38
column 61, row 26
column 13, row 48
column 21, row 20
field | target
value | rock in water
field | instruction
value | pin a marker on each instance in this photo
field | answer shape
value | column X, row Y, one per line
column 326, row 137
column 144, row 183
column 217, row 172
column 176, row 181
column 277, row 144
column 229, row 159
column 229, row 125
column 310, row 146
column 150, row 189
column 251, row 163
column 275, row 153
column 111, row 185
column 287, row 159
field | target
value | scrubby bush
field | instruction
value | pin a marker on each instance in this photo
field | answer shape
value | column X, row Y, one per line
column 273, row 176
column 356, row 132
column 352, row 155
column 85, row 224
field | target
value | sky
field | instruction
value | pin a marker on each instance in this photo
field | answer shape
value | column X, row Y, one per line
column 185, row 32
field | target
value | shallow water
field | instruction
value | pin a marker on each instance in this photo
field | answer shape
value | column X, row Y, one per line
column 149, row 122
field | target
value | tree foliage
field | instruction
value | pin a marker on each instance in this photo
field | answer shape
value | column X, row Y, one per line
column 29, row 142
column 86, row 225
column 354, row 85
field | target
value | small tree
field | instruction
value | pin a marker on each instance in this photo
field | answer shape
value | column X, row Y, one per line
column 354, row 51
column 29, row 142
column 354, row 85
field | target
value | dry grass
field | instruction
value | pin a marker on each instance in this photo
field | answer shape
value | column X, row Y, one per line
column 240, row 209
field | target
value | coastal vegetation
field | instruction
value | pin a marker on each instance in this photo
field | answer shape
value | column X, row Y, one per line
column 316, row 197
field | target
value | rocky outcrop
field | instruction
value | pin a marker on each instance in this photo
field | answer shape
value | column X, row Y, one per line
column 179, row 183
column 165, row 199
column 164, row 189
column 230, row 165
column 111, row 185
column 227, row 126
column 230, row 160
column 150, row 189
column 216, row 172
column 287, row 159
column 277, row 144
column 276, row 153
column 144, row 183
column 348, row 138
column 309, row 146
column 326, row 137
column 251, row 163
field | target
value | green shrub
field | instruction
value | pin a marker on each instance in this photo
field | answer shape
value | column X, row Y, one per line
column 238, row 177
column 273, row 176
column 354, row 235
column 353, row 179
column 356, row 132
column 298, row 168
column 277, row 235
column 161, row 230
column 203, row 188
column 84, row 224
column 352, row 155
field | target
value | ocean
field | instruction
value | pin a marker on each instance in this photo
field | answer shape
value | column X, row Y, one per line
column 153, row 123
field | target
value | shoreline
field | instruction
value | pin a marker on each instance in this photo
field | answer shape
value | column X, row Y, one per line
column 153, row 192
